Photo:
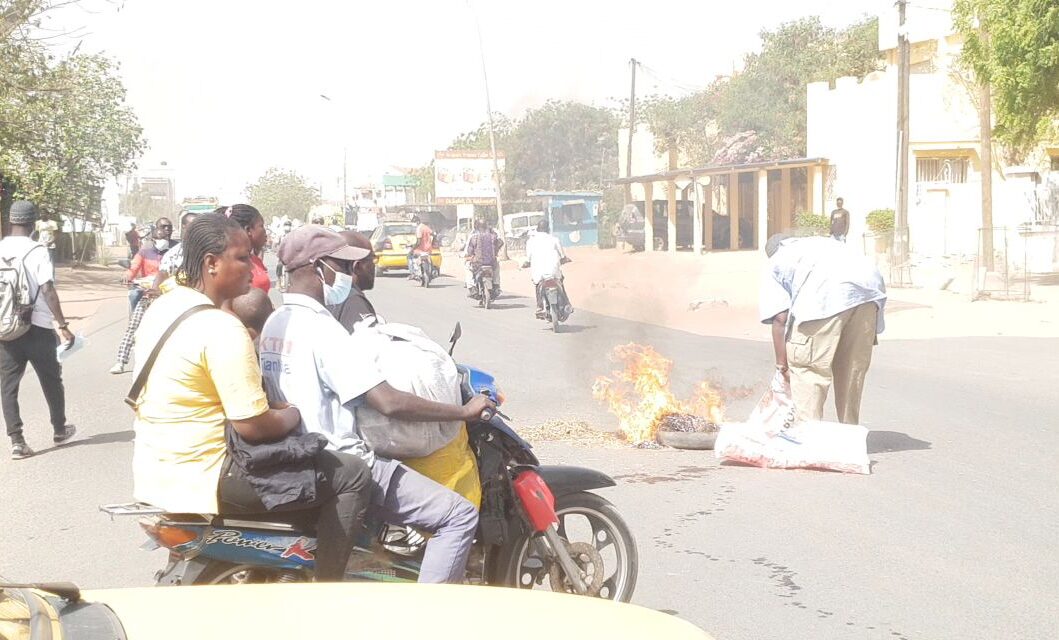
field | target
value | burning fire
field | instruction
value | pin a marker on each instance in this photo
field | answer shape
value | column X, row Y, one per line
column 639, row 396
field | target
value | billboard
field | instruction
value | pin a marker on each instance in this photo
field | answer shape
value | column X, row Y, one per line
column 465, row 177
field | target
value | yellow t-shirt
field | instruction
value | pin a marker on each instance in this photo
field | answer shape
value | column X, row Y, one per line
column 206, row 373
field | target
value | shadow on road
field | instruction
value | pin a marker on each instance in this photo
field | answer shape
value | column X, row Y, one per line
column 890, row 441
column 574, row 328
column 104, row 438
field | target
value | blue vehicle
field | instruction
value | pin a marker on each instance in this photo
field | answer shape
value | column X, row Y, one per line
column 539, row 526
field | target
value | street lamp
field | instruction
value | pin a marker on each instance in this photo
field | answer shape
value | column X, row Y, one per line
column 344, row 196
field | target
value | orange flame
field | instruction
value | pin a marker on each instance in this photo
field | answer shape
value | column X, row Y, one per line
column 639, row 395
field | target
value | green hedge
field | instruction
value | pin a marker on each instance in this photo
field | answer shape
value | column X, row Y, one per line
column 881, row 221
column 812, row 224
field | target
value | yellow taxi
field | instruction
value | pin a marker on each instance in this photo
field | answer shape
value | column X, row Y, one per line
column 392, row 241
column 325, row 610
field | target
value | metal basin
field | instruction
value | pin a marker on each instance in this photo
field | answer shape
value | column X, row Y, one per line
column 687, row 439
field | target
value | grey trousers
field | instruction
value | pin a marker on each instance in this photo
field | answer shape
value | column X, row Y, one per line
column 402, row 496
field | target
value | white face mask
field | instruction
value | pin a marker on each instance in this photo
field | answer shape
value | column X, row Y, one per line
column 338, row 292
column 161, row 244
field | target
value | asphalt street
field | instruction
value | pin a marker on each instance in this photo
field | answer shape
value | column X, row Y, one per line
column 952, row 536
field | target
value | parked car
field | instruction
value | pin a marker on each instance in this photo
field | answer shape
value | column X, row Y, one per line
column 326, row 610
column 392, row 241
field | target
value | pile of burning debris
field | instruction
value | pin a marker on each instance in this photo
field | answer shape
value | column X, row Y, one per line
column 648, row 412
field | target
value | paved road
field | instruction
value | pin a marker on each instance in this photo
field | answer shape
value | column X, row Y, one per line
column 953, row 536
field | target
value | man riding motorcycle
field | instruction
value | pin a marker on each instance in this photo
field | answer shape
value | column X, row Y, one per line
column 424, row 244
column 408, row 364
column 545, row 257
column 308, row 358
column 482, row 250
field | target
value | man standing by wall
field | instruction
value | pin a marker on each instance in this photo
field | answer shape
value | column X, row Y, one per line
column 36, row 346
column 825, row 304
column 46, row 229
column 839, row 221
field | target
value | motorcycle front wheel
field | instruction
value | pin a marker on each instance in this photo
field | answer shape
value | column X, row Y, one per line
column 585, row 520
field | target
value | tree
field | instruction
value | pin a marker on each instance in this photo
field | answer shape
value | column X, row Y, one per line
column 1013, row 47
column 768, row 97
column 65, row 140
column 281, row 192
column 138, row 203
column 64, row 124
column 560, row 145
column 687, row 124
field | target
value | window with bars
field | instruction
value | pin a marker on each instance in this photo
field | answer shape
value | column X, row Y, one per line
column 1055, row 163
column 944, row 170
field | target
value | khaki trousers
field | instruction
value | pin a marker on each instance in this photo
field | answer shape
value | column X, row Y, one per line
column 835, row 350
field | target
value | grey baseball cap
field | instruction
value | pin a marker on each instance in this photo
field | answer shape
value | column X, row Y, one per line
column 305, row 245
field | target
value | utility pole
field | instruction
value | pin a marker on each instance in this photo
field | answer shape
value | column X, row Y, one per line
column 632, row 130
column 901, row 234
column 492, row 135
column 985, row 125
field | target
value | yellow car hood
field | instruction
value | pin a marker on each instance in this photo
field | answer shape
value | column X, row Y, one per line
column 347, row 610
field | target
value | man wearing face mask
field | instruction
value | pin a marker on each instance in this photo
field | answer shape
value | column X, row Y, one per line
column 309, row 360
column 147, row 264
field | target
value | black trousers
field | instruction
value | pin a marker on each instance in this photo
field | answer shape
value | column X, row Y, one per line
column 343, row 492
column 36, row 347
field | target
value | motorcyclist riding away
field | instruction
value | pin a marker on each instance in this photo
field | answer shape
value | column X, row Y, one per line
column 545, row 257
column 424, row 244
column 482, row 249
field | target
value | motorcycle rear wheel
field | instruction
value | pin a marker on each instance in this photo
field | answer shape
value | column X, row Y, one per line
column 521, row 567
column 555, row 319
column 218, row 572
column 487, row 293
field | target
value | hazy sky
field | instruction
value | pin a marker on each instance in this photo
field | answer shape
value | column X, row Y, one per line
column 227, row 88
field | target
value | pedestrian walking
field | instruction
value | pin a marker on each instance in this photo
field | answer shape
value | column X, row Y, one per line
column 30, row 316
column 825, row 304
column 132, row 236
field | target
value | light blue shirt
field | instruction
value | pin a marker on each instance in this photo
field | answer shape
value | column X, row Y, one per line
column 817, row 278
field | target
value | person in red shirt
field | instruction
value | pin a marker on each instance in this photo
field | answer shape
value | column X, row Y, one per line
column 250, row 219
column 424, row 244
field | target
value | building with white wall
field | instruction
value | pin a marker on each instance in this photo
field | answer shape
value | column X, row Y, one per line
column 854, row 126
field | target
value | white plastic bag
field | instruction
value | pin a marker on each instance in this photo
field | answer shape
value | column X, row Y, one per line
column 772, row 437
column 67, row 349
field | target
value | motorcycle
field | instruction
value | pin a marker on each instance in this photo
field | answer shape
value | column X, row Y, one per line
column 539, row 525
column 556, row 309
column 422, row 269
column 485, row 286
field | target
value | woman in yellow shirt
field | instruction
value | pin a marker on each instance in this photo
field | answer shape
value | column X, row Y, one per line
column 206, row 375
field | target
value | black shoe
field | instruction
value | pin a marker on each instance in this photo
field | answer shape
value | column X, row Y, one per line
column 20, row 450
column 64, row 436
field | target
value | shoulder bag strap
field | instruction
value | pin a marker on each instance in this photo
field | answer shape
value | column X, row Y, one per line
column 141, row 380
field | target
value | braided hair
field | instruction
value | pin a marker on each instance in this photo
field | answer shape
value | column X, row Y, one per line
column 244, row 214
column 209, row 235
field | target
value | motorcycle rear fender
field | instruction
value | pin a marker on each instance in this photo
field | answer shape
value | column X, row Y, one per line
column 553, row 296
column 181, row 571
column 564, row 480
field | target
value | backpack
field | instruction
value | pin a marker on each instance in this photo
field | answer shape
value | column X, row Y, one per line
column 16, row 307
